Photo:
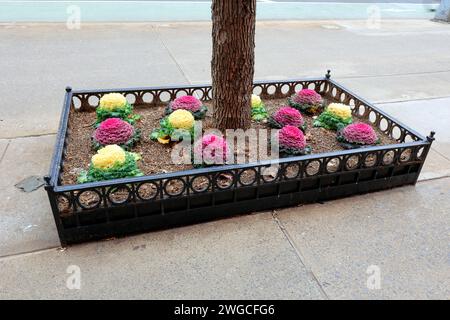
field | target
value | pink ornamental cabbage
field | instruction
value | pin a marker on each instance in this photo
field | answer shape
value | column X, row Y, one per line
column 287, row 116
column 189, row 103
column 307, row 96
column 360, row 133
column 292, row 138
column 211, row 149
column 113, row 131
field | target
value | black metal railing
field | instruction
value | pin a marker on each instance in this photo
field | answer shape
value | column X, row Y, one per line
column 123, row 206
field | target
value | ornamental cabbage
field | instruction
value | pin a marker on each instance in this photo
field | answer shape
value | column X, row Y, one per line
column 175, row 127
column 357, row 135
column 115, row 131
column 340, row 110
column 112, row 101
column 108, row 156
column 256, row 101
column 211, row 150
column 306, row 100
column 189, row 103
column 335, row 117
column 259, row 112
column 115, row 105
column 181, row 119
column 287, row 116
column 111, row 162
column 292, row 142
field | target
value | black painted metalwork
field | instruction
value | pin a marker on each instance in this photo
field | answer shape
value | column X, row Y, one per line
column 302, row 179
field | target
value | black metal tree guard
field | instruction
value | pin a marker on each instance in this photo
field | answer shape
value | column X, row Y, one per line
column 302, row 179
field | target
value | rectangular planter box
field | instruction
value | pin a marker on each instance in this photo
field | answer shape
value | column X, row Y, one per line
column 306, row 181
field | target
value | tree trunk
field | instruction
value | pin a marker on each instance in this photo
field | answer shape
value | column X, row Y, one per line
column 232, row 65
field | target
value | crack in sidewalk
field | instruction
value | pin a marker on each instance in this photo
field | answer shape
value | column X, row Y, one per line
column 440, row 153
column 36, row 135
column 386, row 75
column 28, row 253
column 434, row 178
column 299, row 254
column 4, row 151
column 158, row 34
column 409, row 100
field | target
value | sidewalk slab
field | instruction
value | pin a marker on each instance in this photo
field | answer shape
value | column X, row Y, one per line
column 349, row 49
column 147, row 54
column 394, row 88
column 245, row 257
column 95, row 56
column 26, row 220
column 435, row 166
column 404, row 232
column 377, row 73
column 425, row 116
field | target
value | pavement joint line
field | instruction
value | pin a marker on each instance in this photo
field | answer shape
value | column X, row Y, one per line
column 410, row 100
column 438, row 152
column 4, row 152
column 434, row 178
column 37, row 135
column 299, row 254
column 171, row 55
column 392, row 74
column 28, row 253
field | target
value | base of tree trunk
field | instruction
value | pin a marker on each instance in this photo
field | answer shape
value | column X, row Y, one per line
column 232, row 65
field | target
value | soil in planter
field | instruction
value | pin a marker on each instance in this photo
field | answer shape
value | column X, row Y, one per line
column 156, row 158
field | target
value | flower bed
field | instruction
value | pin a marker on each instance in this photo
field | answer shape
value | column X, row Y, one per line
column 175, row 194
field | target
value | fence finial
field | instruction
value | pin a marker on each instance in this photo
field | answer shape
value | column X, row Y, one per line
column 47, row 179
column 328, row 75
column 68, row 89
column 430, row 138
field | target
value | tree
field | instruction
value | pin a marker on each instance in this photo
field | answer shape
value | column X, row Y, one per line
column 232, row 64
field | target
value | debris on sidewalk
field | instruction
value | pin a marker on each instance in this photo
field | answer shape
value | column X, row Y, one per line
column 30, row 183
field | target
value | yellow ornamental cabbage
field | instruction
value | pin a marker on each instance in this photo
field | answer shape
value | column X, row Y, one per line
column 256, row 101
column 108, row 156
column 340, row 110
column 181, row 119
column 112, row 101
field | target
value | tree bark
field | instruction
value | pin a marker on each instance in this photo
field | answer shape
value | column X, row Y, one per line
column 232, row 65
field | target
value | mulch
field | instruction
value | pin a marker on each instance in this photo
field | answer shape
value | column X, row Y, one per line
column 156, row 157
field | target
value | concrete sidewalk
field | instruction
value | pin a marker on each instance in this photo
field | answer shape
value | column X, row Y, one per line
column 321, row 251
column 403, row 60
column 315, row 251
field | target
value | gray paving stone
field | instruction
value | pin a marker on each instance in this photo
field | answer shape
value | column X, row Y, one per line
column 26, row 221
column 246, row 257
column 40, row 60
column 145, row 54
column 436, row 166
column 404, row 232
column 425, row 116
